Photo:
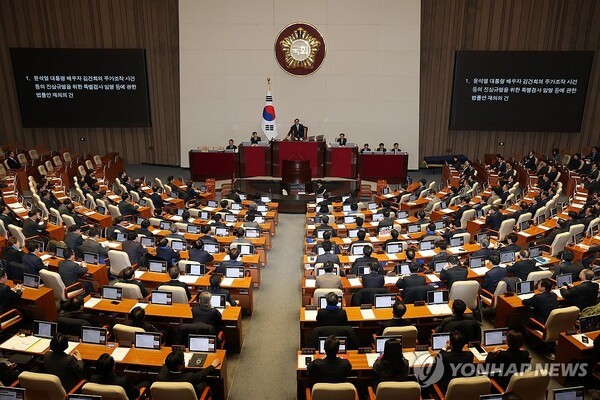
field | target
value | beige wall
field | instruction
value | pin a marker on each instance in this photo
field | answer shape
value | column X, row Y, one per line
column 367, row 87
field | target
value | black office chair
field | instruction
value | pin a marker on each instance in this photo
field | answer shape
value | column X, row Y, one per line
column 71, row 326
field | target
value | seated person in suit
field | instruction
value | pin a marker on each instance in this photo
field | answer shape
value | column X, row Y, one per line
column 509, row 360
column 70, row 272
column 7, row 294
column 485, row 250
column 68, row 368
column 174, row 275
column 332, row 314
column 173, row 371
column 394, row 233
column 215, row 288
column 197, row 253
column 32, row 262
column 329, row 254
column 91, row 244
column 73, row 238
column 341, row 140
column 583, row 295
column 330, row 369
column 136, row 318
column 398, row 311
column 414, row 279
column 134, row 249
column 206, row 236
column 128, row 274
column 441, row 255
column 254, row 139
column 239, row 236
column 375, row 278
column 430, row 233
column 329, row 279
column 453, row 357
column 567, row 266
column 453, row 272
column 32, row 227
column 542, row 303
column 364, row 260
column 143, row 229
column 391, row 365
column 524, row 266
column 125, row 207
column 231, row 145
column 465, row 324
column 106, row 375
column 493, row 275
column 324, row 227
column 164, row 252
column 233, row 261
column 416, row 293
column 12, row 251
column 205, row 312
column 511, row 238
column 249, row 222
column 494, row 218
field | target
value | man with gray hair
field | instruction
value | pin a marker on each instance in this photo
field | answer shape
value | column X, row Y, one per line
column 205, row 312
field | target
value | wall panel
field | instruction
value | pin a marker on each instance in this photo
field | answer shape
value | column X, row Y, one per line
column 148, row 24
column 547, row 25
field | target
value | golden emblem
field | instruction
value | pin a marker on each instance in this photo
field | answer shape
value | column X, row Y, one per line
column 300, row 49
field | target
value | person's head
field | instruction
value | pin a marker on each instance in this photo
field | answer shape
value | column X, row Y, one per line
column 105, row 364
column 296, row 121
column 394, row 234
column 332, row 299
column 124, row 196
column 354, row 206
column 367, row 251
column 453, row 261
column 215, row 281
column 328, row 266
column 33, row 214
column 163, row 242
column 217, row 217
column 12, row 242
column 366, row 145
column 185, row 215
column 250, row 217
column 131, row 235
column 174, row 272
column 459, row 307
column 484, row 242
column 230, row 142
column 512, row 238
column 396, row 145
column 205, row 229
column 331, row 346
column 494, row 259
column 136, row 315
column 128, row 273
column 234, row 252
column 410, row 255
column 240, row 232
column 324, row 220
column 59, row 343
column 327, row 246
column 94, row 233
column 69, row 254
column 342, row 135
column 2, row 275
column 75, row 229
column 381, row 145
column 567, row 255
column 457, row 340
column 524, row 254
column 204, row 299
column 586, row 275
column 392, row 354
column 441, row 244
column 423, row 182
column 32, row 247
column 399, row 309
column 514, row 340
column 430, row 230
column 175, row 361
column 546, row 284
column 361, row 234
column 73, row 304
column 198, row 244
column 359, row 221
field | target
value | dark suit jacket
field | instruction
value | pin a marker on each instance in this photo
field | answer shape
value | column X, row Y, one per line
column 194, row 378
column 157, row 200
column 114, row 379
column 394, row 322
column 515, row 360
column 329, row 370
column 90, row 246
column 134, row 250
column 542, row 304
column 32, row 228
column 454, row 274
column 522, row 268
column 13, row 255
column 201, row 256
column 70, row 271
column 583, row 295
column 573, row 268
column 455, row 358
column 65, row 367
column 492, row 277
column 127, row 209
column 494, row 220
column 8, row 220
column 175, row 282
column 13, row 163
column 373, row 280
column 32, row 263
column 464, row 324
column 297, row 132
column 328, row 317
column 416, row 293
column 412, row 280
column 167, row 254
column 7, row 297
column 207, row 315
column 328, row 257
column 361, row 261
column 73, row 240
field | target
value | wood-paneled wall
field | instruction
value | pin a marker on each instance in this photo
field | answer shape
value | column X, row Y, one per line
column 148, row 24
column 449, row 25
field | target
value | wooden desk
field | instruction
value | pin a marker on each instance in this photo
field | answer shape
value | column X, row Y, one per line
column 232, row 316
column 570, row 350
column 37, row 303
column 510, row 309
column 98, row 272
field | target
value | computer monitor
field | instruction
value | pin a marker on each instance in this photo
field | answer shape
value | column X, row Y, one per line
column 101, row 210
column 402, row 214
column 112, row 293
column 30, row 280
column 385, row 230
column 218, row 300
column 194, row 229
column 393, row 248
column 342, row 349
column 525, row 225
column 121, row 237
column 425, row 245
column 143, row 202
column 439, row 225
column 572, row 393
column 439, row 340
column 476, row 262
column 202, row 343
column 147, row 340
column 541, row 219
column 358, row 250
column 139, row 220
column 481, row 236
column 323, row 302
column 457, row 241
column 321, row 271
column 564, row 279
column 524, row 287
column 88, row 204
column 494, row 337
column 364, row 270
column 403, row 269
column 578, row 238
column 53, row 219
column 507, row 257
column 439, row 265
column 234, row 272
column 195, row 269
column 236, row 206
column 352, row 233
column 350, row 219
column 212, row 204
column 479, row 213
column 252, row 233
column 94, row 335
column 437, row 297
column 91, row 258
column 161, row 297
column 444, row 205
column 44, row 329
column 246, row 249
column 230, row 218
column 377, row 217
column 265, row 199
column 259, row 219
column 180, row 212
column 178, row 245
column 589, row 324
column 165, row 225
column 380, row 342
column 535, row 251
column 211, row 248
column 157, row 266
column 553, row 212
column 414, row 228
column 221, row 231
column 384, row 300
column 10, row 393
column 147, row 241
column 346, row 207
column 205, row 215
column 372, row 206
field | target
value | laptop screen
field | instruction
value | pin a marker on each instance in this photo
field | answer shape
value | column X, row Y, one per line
column 377, row 217
column 439, row 340
column 30, row 280
column 346, row 207
column 439, row 225
column 252, row 233
column 321, row 271
column 426, row 245
column 524, row 287
column 165, row 225
column 342, row 340
column 236, row 206
column 180, row 211
column 573, row 393
column 494, row 337
column 157, row 266
column 384, row 300
column 205, row 215
column 121, row 237
column 178, row 245
column 162, row 298
column 437, row 297
column 211, row 248
column 414, row 228
column 212, row 203
column 323, row 302
column 535, row 251
column 259, row 219
column 143, row 202
column 230, row 218
column 380, row 342
column 218, row 300
column 589, row 324
column 525, row 225
column 457, row 241
column 349, row 219
column 480, row 237
column 438, row 266
column 9, row 393
column 265, row 199
column 44, row 329
column 195, row 229
column 402, row 214
column 578, row 238
column 403, row 269
column 246, row 249
column 261, row 208
column 147, row 241
column 393, row 248
column 372, row 206
column 507, row 257
column 476, row 262
column 364, row 270
column 91, row 258
column 53, row 219
column 352, row 233
column 101, row 210
column 541, row 219
column 195, row 269
column 564, row 279
column 93, row 335
column 147, row 340
column 202, row 343
column 358, row 250
column 112, row 293
column 221, row 231
column 234, row 272
column 139, row 220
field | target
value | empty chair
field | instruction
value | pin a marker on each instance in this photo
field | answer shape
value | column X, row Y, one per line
column 531, row 385
column 396, row 390
column 57, row 161
column 467, row 291
column 119, row 260
column 158, row 183
column 49, row 166
column 40, row 386
column 61, row 293
column 464, row 388
column 125, row 333
column 130, row 290
column 42, row 170
column 89, row 165
column 506, row 227
column 332, row 391
column 409, row 334
column 81, row 170
column 108, row 392
column 68, row 220
column 491, row 299
column 97, row 160
column 576, row 229
column 466, row 217
column 67, row 157
column 560, row 320
column 114, row 211
column 178, row 390
column 559, row 243
column 33, row 154
column 537, row 276
column 22, row 158
column 17, row 233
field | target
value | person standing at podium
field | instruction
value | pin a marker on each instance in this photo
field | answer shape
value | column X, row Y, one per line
column 254, row 139
column 231, row 145
column 297, row 131
column 342, row 140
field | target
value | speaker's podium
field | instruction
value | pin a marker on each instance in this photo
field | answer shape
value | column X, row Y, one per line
column 296, row 175
column 312, row 151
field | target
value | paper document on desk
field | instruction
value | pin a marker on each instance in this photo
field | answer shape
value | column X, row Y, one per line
column 88, row 213
column 310, row 315
column 176, row 218
column 346, row 240
column 480, row 270
column 41, row 346
column 526, row 296
column 120, row 353
column 392, row 256
column 391, row 280
column 557, row 293
column 432, row 277
column 371, row 358
column 302, row 360
column 447, row 210
column 456, row 250
column 91, row 303
column 310, row 283
column 227, row 282
column 209, row 209
column 388, row 196
column 439, row 309
column 45, row 257
column 72, row 346
column 112, row 245
column 19, row 343
column 138, row 274
column 341, row 226
column 578, row 337
column 403, row 221
column 367, row 314
column 574, row 205
column 189, row 279
column 226, row 258
column 352, row 258
column 427, row 253
column 375, row 239
column 524, row 234
column 141, row 305
column 310, row 227
column 354, row 282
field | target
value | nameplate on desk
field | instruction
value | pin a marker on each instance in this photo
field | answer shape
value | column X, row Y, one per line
column 308, row 350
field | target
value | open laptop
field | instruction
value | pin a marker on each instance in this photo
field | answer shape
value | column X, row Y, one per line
column 157, row 266
column 44, row 329
column 352, row 233
column 10, row 393
column 439, row 265
column 457, row 241
column 358, row 250
column 507, row 257
column 31, row 281
column 252, row 233
column 143, row 202
column 221, row 231
column 91, row 258
column 384, row 300
column 194, row 229
column 494, row 337
column 265, row 199
column 589, row 324
column 261, row 208
column 147, row 242
column 524, row 289
column 139, row 220
column 200, row 345
column 121, row 237
column 349, row 219
column 259, row 219
column 94, row 335
column 436, row 297
column 323, row 302
column 480, row 236
column 439, row 340
column 205, row 215
column 162, row 298
column 112, row 293
column 413, row 228
column 403, row 269
column 234, row 272
column 578, row 238
column 372, row 206
column 402, row 215
column 101, row 210
column 212, row 204
column 231, row 218
column 563, row 279
column 195, row 269
column 572, row 393
column 147, row 340
column 178, row 245
column 218, row 300
column 380, row 342
column 476, row 262
column 347, row 207
column 541, row 219
column 439, row 225
column 165, row 225
column 343, row 340
column 377, row 217
column 393, row 248
column 211, row 248
column 425, row 245
column 53, row 220
column 525, row 225
column 246, row 249
column 364, row 270
column 535, row 251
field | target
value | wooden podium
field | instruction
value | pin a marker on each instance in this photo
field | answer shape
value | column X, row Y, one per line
column 312, row 151
column 296, row 174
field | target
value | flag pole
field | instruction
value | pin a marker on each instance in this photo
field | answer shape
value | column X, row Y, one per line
column 269, row 83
